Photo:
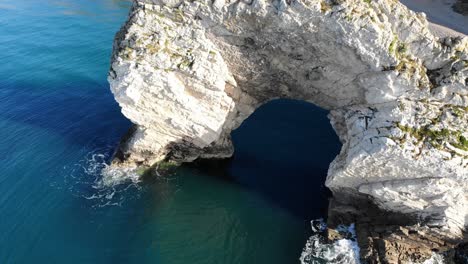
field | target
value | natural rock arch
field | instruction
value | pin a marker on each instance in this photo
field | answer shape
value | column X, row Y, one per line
column 189, row 72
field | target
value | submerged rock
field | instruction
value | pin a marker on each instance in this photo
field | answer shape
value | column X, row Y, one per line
column 187, row 73
column 461, row 6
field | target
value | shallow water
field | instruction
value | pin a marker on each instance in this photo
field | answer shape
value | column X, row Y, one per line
column 60, row 125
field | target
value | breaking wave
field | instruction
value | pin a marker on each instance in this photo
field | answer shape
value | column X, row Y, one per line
column 343, row 251
column 435, row 259
column 318, row 251
column 94, row 180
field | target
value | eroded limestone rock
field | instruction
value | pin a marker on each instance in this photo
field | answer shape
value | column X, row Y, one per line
column 187, row 73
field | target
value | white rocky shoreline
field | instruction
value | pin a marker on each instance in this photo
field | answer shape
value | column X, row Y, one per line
column 187, row 73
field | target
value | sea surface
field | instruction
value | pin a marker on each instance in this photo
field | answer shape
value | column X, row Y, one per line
column 59, row 126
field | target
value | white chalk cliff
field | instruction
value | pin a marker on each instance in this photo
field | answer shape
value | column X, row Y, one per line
column 187, row 73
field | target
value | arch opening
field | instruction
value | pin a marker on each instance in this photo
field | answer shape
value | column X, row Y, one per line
column 283, row 151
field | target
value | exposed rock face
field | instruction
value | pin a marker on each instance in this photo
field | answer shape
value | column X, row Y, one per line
column 391, row 236
column 189, row 72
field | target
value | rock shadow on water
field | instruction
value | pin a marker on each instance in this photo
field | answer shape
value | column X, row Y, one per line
column 282, row 151
column 82, row 116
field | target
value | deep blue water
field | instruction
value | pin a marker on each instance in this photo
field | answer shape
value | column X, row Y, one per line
column 59, row 124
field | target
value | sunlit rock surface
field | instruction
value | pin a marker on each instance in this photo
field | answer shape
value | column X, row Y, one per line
column 187, row 73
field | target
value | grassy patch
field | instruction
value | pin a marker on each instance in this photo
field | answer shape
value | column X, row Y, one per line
column 462, row 143
column 436, row 138
column 402, row 48
column 325, row 7
column 459, row 111
column 393, row 44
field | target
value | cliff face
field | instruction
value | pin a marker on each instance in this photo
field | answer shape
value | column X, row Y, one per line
column 187, row 73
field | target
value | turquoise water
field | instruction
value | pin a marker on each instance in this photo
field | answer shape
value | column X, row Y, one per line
column 59, row 125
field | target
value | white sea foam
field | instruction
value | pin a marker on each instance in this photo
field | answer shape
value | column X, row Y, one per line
column 435, row 259
column 115, row 176
column 93, row 179
column 343, row 251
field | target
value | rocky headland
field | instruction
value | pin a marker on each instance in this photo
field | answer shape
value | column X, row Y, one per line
column 187, row 73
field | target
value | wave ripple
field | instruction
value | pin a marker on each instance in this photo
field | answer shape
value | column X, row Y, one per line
column 94, row 180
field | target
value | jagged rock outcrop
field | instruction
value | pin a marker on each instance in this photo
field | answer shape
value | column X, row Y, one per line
column 187, row 73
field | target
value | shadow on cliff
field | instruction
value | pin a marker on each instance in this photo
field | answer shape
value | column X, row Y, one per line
column 283, row 151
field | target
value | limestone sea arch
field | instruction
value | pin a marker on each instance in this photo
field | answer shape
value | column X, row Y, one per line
column 187, row 73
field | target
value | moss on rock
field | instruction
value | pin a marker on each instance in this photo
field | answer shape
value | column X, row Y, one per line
column 436, row 138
